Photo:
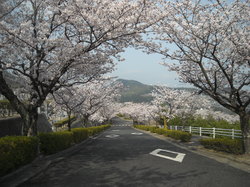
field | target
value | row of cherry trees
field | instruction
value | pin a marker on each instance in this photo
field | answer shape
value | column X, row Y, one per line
column 210, row 49
column 55, row 44
column 168, row 103
column 91, row 101
column 61, row 43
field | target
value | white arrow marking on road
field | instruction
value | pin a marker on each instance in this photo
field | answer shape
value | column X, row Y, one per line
column 137, row 133
column 179, row 156
column 112, row 136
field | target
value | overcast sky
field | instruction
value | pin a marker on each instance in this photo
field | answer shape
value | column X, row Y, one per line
column 146, row 69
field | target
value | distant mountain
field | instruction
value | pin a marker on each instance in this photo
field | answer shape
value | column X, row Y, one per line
column 135, row 91
column 138, row 92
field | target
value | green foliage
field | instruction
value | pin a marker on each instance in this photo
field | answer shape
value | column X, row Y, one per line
column 178, row 135
column 54, row 142
column 161, row 131
column 120, row 115
column 5, row 104
column 123, row 116
column 135, row 92
column 146, row 128
column 225, row 145
column 209, row 122
column 97, row 129
column 79, row 134
column 153, row 129
column 176, row 121
column 16, row 151
column 64, row 121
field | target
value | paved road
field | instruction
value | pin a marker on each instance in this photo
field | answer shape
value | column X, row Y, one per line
column 119, row 158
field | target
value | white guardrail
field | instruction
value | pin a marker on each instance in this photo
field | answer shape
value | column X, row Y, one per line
column 233, row 133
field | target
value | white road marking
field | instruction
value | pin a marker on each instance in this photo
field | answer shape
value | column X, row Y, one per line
column 179, row 156
column 112, row 136
column 115, row 130
column 136, row 133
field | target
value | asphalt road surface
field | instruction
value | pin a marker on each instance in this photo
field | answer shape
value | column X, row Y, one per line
column 122, row 156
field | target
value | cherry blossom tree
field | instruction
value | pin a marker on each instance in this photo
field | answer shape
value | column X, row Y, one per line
column 108, row 111
column 218, row 115
column 8, row 6
column 53, row 44
column 138, row 112
column 98, row 96
column 175, row 102
column 69, row 100
column 210, row 49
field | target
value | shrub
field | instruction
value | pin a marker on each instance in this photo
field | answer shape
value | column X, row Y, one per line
column 64, row 121
column 16, row 151
column 94, row 130
column 209, row 122
column 176, row 121
column 161, row 131
column 179, row 135
column 5, row 104
column 120, row 115
column 54, row 142
column 79, row 134
column 225, row 145
column 153, row 129
column 144, row 127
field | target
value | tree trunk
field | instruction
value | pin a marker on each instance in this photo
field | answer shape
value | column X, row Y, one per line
column 85, row 120
column 30, row 123
column 28, row 114
column 69, row 121
column 245, row 127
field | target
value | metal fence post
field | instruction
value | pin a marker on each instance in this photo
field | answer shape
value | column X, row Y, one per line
column 190, row 129
column 232, row 133
column 200, row 131
column 213, row 132
column 176, row 128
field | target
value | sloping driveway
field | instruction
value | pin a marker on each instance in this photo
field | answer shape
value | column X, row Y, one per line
column 121, row 157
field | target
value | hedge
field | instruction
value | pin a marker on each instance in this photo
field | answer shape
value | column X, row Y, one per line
column 79, row 134
column 161, row 131
column 94, row 130
column 54, row 142
column 16, row 151
column 64, row 121
column 5, row 104
column 209, row 122
column 146, row 128
column 225, row 145
column 178, row 135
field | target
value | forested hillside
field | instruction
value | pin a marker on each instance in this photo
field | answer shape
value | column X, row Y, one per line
column 135, row 91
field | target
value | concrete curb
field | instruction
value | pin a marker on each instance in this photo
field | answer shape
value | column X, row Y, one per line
column 233, row 160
